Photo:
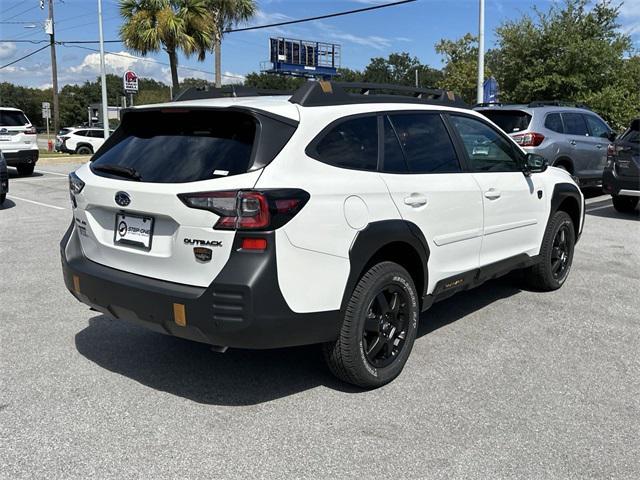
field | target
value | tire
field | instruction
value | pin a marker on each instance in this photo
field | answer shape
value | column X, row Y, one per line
column 624, row 204
column 556, row 254
column 378, row 329
column 3, row 197
column 84, row 150
column 25, row 168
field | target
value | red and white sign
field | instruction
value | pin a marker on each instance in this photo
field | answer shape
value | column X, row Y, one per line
column 130, row 81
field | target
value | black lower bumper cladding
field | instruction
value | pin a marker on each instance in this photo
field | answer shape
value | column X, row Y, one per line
column 242, row 308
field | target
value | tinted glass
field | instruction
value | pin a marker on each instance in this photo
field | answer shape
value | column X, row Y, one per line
column 597, row 127
column 394, row 161
column 574, row 124
column 487, row 150
column 351, row 144
column 176, row 147
column 9, row 118
column 554, row 123
column 82, row 133
column 509, row 120
column 632, row 135
column 96, row 133
column 425, row 142
column 64, row 131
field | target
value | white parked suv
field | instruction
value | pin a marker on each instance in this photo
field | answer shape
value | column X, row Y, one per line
column 18, row 140
column 83, row 141
column 326, row 217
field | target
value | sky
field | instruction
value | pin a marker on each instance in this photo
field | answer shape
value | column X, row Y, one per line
column 412, row 28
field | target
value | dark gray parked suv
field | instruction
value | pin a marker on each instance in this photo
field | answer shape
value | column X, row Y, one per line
column 573, row 138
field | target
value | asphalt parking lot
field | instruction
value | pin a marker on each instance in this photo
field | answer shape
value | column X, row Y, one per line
column 502, row 382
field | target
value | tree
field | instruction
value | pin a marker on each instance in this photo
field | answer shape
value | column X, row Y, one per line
column 460, row 72
column 226, row 14
column 270, row 81
column 174, row 25
column 400, row 69
column 571, row 52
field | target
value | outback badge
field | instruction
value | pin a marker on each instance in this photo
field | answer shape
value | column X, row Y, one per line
column 202, row 254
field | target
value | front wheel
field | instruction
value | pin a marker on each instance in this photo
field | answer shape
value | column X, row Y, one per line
column 556, row 254
column 84, row 150
column 378, row 329
column 624, row 204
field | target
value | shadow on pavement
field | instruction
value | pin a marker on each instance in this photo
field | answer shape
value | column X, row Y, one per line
column 13, row 173
column 7, row 204
column 240, row 377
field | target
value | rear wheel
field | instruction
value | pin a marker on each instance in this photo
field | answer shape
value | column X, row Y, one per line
column 25, row 168
column 625, row 204
column 556, row 254
column 84, row 150
column 378, row 329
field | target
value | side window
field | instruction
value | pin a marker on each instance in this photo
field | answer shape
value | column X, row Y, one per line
column 488, row 151
column 574, row 124
column 425, row 143
column 351, row 144
column 597, row 127
column 394, row 161
column 81, row 133
column 554, row 123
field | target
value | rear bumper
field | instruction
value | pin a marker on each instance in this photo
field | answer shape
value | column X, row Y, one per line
column 242, row 308
column 613, row 184
column 21, row 157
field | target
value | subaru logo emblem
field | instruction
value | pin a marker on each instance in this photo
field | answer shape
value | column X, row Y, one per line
column 123, row 199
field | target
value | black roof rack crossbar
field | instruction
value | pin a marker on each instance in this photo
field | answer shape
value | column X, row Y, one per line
column 557, row 103
column 488, row 104
column 325, row 93
column 199, row 93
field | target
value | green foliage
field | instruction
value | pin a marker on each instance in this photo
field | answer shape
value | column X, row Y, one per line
column 273, row 82
column 399, row 69
column 460, row 72
column 571, row 52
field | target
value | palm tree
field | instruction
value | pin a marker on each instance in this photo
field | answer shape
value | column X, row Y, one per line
column 226, row 14
column 174, row 25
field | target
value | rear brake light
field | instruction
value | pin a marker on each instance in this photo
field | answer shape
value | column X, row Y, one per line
column 249, row 209
column 31, row 131
column 529, row 139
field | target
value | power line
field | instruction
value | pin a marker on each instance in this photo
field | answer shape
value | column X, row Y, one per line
column 21, row 13
column 320, row 17
column 26, row 56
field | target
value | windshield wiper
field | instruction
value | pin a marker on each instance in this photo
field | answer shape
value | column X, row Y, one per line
column 118, row 170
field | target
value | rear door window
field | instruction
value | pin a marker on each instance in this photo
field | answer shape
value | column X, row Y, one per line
column 425, row 142
column 181, row 145
column 11, row 118
column 554, row 123
column 574, row 124
column 510, row 121
column 351, row 144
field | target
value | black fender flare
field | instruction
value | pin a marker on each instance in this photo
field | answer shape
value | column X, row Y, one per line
column 562, row 192
column 84, row 144
column 376, row 236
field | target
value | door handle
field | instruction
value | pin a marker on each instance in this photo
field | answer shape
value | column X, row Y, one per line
column 492, row 194
column 573, row 142
column 415, row 200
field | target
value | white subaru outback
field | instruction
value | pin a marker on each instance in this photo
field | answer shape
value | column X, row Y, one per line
column 332, row 216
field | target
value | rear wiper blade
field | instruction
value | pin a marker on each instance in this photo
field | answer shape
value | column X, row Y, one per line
column 118, row 170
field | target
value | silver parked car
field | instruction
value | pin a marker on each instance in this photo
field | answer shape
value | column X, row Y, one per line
column 569, row 137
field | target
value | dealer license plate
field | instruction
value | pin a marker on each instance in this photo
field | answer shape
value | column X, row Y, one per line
column 133, row 230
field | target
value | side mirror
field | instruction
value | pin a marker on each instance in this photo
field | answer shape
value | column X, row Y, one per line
column 611, row 136
column 535, row 164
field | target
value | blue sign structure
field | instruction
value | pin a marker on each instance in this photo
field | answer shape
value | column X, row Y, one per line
column 491, row 91
column 302, row 58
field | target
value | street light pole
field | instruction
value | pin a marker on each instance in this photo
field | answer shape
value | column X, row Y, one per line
column 480, row 91
column 50, row 29
column 103, row 75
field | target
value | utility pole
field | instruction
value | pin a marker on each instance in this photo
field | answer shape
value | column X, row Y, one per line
column 103, row 75
column 49, row 28
column 480, row 96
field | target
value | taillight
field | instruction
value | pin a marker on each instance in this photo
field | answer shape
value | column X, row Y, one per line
column 249, row 209
column 529, row 139
column 31, row 131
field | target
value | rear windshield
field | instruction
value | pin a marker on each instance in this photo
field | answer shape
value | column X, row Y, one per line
column 10, row 118
column 510, row 121
column 181, row 146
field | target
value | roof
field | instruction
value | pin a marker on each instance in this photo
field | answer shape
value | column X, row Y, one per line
column 11, row 109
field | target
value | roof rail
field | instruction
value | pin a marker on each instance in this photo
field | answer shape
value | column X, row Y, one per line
column 557, row 103
column 325, row 93
column 199, row 93
column 488, row 104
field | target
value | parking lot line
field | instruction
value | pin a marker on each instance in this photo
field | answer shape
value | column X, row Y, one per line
column 598, row 208
column 53, row 173
column 13, row 197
